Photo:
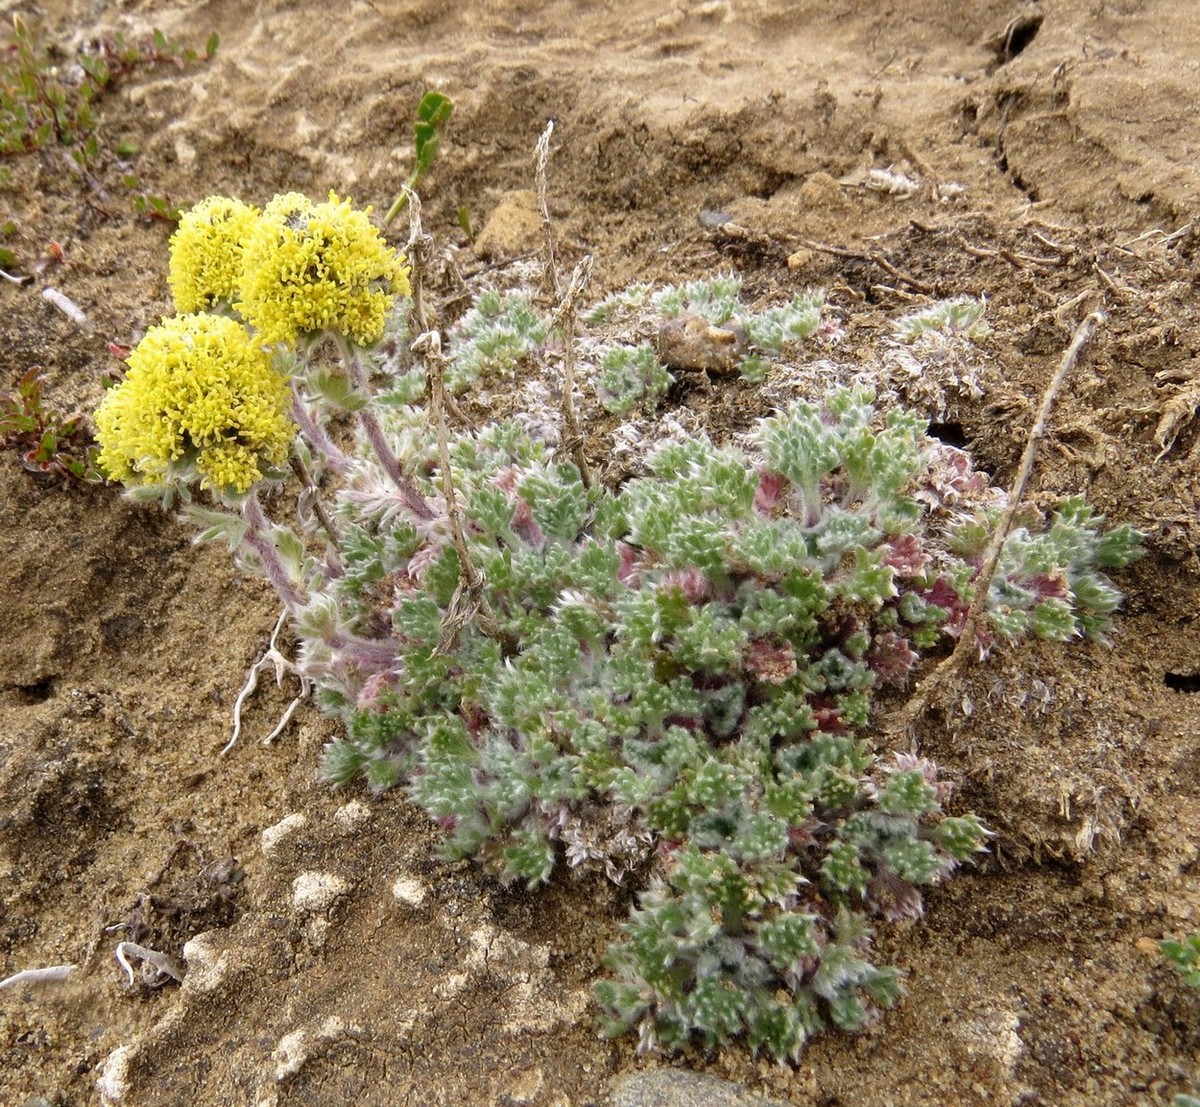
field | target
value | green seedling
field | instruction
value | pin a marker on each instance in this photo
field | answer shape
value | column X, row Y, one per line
column 1184, row 954
column 433, row 113
column 156, row 208
column 39, row 107
column 47, row 442
column 463, row 215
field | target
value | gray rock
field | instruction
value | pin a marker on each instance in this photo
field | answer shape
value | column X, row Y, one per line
column 671, row 1088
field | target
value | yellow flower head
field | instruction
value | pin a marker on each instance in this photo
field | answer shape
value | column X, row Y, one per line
column 319, row 267
column 206, row 253
column 200, row 399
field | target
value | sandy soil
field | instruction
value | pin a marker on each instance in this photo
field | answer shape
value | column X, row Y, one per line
column 1057, row 163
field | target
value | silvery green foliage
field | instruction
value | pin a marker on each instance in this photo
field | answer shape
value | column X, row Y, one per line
column 628, row 374
column 494, row 337
column 962, row 315
column 694, row 655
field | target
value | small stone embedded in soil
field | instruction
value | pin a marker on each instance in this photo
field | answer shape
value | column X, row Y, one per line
column 669, row 1088
column 185, row 152
column 823, row 192
column 297, row 1047
column 207, row 964
column 409, row 890
column 992, row 1034
column 525, row 1086
column 273, row 837
column 290, row 1055
column 113, row 1084
column 491, row 948
column 313, row 891
column 351, row 817
column 514, row 228
column 799, row 259
column 534, row 999
column 451, row 986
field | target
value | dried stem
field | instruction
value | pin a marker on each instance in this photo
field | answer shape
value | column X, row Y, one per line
column 68, row 307
column 166, row 967
column 282, row 665
column 872, row 256
column 565, row 318
column 468, row 604
column 418, row 250
column 314, row 498
column 935, row 684
column 540, row 163
column 565, row 309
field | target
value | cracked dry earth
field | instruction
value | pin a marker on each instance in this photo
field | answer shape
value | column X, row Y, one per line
column 1052, row 152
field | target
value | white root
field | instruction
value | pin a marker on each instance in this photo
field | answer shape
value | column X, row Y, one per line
column 68, row 307
column 282, row 666
column 164, row 963
column 38, row 976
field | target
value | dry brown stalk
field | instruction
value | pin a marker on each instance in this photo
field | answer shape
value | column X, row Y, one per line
column 935, row 685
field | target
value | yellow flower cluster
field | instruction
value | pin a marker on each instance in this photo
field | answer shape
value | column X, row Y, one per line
column 318, row 267
column 206, row 253
column 200, row 397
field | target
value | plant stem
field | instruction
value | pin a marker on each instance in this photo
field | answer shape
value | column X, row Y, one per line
column 565, row 307
column 372, row 652
column 565, row 318
column 402, row 199
column 38, row 976
column 541, row 160
column 469, row 604
column 258, row 538
column 335, row 457
column 409, row 493
column 435, row 369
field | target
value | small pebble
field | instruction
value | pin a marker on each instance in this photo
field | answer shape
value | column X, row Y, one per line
column 409, row 890
column 207, row 963
column 113, row 1084
column 513, row 228
column 272, row 838
column 692, row 342
column 822, row 193
column 314, row 891
column 351, row 817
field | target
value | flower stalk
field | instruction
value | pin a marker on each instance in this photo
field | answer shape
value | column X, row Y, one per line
column 409, row 493
column 332, row 456
column 259, row 539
